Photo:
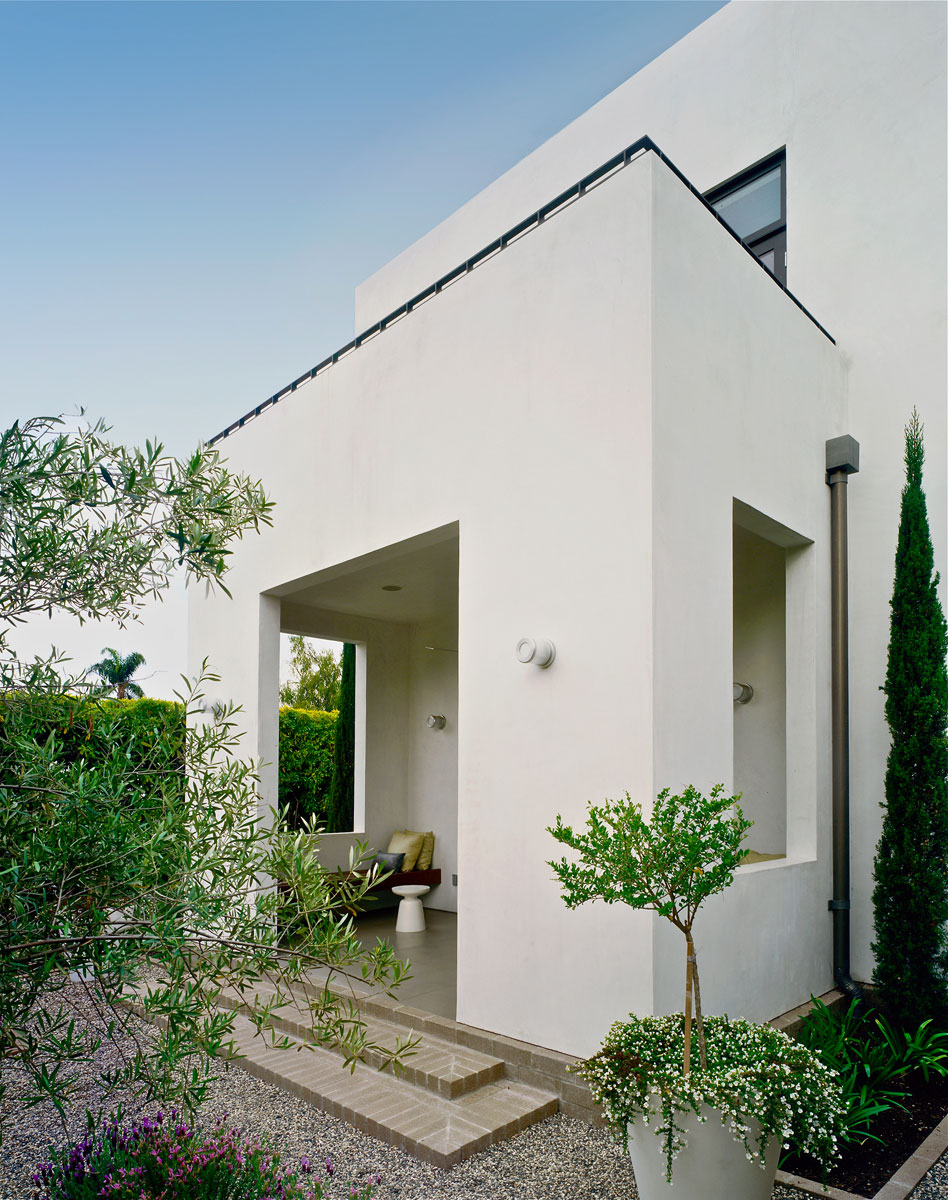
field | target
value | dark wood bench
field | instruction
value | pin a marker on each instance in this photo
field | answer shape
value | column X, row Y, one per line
column 380, row 894
column 431, row 877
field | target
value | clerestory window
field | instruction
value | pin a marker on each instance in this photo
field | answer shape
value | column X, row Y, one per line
column 754, row 204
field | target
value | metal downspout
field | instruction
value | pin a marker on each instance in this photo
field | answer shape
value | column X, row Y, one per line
column 842, row 460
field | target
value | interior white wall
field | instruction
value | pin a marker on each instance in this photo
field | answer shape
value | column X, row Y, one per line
column 760, row 659
column 431, row 794
column 856, row 93
column 743, row 413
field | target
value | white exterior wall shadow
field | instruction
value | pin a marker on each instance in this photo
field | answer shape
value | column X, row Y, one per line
column 545, row 403
column 856, row 93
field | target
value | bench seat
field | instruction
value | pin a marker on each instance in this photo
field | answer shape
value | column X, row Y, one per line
column 431, row 877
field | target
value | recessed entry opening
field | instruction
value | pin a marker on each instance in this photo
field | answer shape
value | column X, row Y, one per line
column 397, row 607
column 767, row 680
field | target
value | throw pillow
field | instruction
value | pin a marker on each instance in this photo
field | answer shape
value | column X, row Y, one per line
column 390, row 862
column 427, row 853
column 409, row 844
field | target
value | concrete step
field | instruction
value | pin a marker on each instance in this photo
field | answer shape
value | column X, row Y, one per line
column 436, row 1065
column 422, row 1122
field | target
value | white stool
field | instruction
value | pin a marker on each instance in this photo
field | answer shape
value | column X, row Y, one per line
column 411, row 915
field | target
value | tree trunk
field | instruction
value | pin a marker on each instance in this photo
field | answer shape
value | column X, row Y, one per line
column 689, row 964
column 699, row 1018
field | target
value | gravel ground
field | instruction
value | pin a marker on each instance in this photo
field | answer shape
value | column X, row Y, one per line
column 559, row 1159
column 935, row 1184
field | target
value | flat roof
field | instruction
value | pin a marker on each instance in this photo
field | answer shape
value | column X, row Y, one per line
column 618, row 161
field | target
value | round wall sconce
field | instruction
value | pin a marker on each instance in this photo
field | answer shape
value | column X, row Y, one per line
column 436, row 721
column 539, row 651
column 743, row 692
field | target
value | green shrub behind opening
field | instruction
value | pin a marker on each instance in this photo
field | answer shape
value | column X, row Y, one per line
column 306, row 764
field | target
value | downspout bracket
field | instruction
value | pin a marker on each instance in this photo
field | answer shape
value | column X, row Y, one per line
column 842, row 455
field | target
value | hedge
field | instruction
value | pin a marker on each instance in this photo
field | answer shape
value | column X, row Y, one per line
column 91, row 729
column 84, row 735
column 306, row 764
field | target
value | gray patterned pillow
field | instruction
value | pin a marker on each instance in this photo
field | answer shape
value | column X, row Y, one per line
column 390, row 862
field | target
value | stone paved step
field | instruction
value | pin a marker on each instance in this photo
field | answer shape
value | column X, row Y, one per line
column 439, row 1066
column 434, row 1128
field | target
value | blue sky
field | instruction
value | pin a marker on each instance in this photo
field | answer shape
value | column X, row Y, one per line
column 192, row 191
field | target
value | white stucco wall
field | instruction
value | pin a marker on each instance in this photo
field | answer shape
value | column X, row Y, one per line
column 746, row 392
column 856, row 93
column 586, row 425
column 516, row 404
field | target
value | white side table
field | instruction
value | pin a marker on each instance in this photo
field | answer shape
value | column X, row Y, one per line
column 411, row 914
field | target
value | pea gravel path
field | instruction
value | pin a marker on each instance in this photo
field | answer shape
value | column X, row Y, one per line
column 558, row 1159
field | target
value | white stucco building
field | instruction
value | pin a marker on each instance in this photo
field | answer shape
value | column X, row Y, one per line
column 610, row 432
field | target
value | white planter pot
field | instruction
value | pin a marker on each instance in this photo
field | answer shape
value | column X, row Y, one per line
column 712, row 1166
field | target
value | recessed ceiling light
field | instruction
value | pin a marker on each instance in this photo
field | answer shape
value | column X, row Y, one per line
column 391, row 587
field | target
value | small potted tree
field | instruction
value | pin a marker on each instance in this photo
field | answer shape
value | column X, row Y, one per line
column 720, row 1096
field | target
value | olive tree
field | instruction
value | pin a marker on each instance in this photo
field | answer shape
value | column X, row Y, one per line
column 144, row 873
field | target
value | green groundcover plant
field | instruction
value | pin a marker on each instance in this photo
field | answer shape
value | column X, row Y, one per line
column 166, row 1159
column 670, row 864
column 873, row 1059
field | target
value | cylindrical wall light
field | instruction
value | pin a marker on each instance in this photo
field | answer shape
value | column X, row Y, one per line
column 539, row 651
column 743, row 693
column 436, row 721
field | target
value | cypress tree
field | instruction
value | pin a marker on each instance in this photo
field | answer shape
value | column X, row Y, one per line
column 911, row 867
column 340, row 808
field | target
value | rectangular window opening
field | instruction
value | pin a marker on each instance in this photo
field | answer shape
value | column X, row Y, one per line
column 318, row 683
column 754, row 205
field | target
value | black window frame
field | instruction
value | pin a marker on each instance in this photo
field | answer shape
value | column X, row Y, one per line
column 774, row 235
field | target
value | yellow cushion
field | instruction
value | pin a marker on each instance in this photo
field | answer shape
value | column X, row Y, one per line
column 407, row 843
column 427, row 853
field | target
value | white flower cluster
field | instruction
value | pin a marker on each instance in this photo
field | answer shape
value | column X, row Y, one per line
column 752, row 1071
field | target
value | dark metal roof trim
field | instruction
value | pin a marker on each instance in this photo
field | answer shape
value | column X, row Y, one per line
column 622, row 159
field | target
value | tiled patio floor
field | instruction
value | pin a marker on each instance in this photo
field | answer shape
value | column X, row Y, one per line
column 432, row 954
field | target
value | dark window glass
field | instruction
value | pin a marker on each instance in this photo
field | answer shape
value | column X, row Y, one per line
column 754, row 204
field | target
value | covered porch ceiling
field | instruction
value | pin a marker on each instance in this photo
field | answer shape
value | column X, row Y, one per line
column 408, row 582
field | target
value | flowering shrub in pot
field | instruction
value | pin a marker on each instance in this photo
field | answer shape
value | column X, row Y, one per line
column 682, row 1077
